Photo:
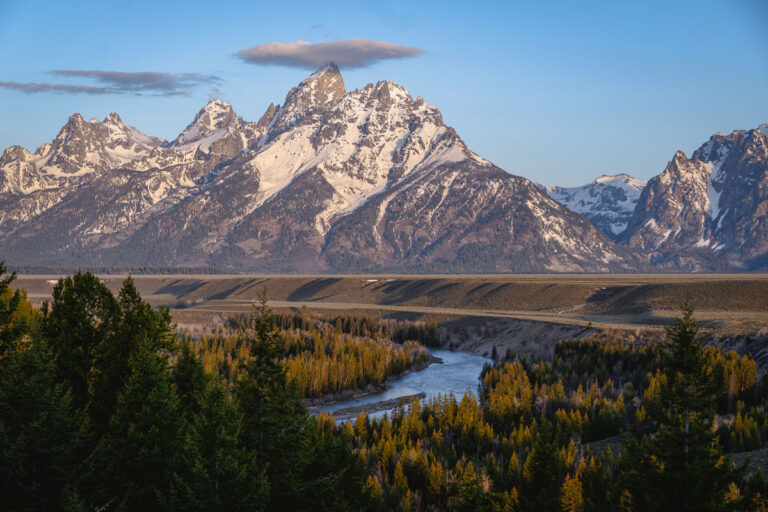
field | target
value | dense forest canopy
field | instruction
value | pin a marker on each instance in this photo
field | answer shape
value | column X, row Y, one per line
column 321, row 356
column 104, row 406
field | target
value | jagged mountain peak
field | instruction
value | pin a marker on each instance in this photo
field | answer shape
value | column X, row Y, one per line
column 386, row 90
column 322, row 89
column 708, row 211
column 75, row 127
column 215, row 106
column 113, row 118
column 716, row 148
column 75, row 124
column 267, row 117
column 330, row 69
column 215, row 115
column 75, row 119
column 83, row 147
column 14, row 153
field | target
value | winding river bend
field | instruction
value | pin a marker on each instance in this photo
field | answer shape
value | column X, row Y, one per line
column 458, row 373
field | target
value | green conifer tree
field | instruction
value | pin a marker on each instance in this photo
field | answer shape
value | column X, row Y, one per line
column 214, row 465
column 83, row 314
column 16, row 313
column 276, row 426
column 40, row 431
column 138, row 460
column 136, row 326
column 680, row 466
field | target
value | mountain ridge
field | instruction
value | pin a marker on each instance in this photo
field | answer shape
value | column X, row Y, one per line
column 709, row 211
column 608, row 201
column 331, row 180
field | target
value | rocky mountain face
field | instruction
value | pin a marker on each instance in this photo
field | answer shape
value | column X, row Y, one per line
column 709, row 212
column 608, row 202
column 370, row 179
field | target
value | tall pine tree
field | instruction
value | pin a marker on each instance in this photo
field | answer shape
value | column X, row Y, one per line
column 680, row 465
column 139, row 457
column 276, row 426
column 82, row 315
column 136, row 326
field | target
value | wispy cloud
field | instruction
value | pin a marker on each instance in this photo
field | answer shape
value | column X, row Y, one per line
column 118, row 82
column 350, row 53
column 47, row 87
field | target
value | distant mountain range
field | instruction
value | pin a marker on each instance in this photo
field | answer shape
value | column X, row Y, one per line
column 608, row 202
column 366, row 180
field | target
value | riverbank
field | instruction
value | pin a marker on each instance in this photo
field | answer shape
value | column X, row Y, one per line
column 457, row 374
column 370, row 389
column 348, row 413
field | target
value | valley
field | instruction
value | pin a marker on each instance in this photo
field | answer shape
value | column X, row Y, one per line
column 527, row 314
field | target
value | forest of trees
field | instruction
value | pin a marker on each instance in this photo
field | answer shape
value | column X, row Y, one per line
column 526, row 445
column 321, row 356
column 102, row 409
column 103, row 406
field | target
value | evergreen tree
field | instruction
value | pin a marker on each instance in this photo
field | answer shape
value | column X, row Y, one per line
column 541, row 473
column 470, row 496
column 215, row 465
column 276, row 426
column 40, row 431
column 83, row 314
column 334, row 477
column 139, row 457
column 190, row 381
column 16, row 313
column 137, row 326
column 680, row 466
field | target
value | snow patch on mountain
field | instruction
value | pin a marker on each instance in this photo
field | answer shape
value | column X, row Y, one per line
column 608, row 201
column 213, row 117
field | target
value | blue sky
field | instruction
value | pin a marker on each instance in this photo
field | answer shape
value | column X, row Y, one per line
column 558, row 92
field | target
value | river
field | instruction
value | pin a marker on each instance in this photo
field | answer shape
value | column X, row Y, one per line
column 458, row 373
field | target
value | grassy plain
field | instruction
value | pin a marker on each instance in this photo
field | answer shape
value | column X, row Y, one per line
column 648, row 300
column 526, row 313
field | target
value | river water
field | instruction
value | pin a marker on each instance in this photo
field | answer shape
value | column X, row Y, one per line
column 458, row 373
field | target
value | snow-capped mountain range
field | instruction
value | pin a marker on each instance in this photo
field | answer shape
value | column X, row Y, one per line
column 608, row 202
column 332, row 180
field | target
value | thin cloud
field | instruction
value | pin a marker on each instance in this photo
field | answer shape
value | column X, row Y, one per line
column 142, row 81
column 119, row 82
column 46, row 87
column 350, row 53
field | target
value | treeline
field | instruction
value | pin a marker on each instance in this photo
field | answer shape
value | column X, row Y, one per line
column 321, row 356
column 133, row 270
column 357, row 325
column 102, row 409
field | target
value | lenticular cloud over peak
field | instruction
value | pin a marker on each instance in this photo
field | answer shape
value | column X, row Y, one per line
column 349, row 53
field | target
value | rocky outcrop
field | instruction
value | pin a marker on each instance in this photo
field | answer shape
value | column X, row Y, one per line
column 710, row 211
